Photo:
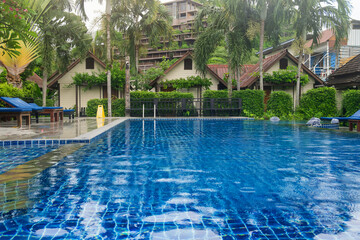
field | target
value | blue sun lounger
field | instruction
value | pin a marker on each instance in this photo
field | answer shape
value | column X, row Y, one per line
column 55, row 112
column 18, row 113
column 66, row 112
column 353, row 119
column 344, row 119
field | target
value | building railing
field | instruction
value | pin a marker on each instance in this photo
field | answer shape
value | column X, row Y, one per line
column 161, row 107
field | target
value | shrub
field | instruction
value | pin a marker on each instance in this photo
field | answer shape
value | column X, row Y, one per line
column 7, row 90
column 252, row 100
column 351, row 102
column 319, row 102
column 117, row 105
column 49, row 102
column 280, row 104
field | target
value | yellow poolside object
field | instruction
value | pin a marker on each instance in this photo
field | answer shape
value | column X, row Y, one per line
column 100, row 122
column 100, row 112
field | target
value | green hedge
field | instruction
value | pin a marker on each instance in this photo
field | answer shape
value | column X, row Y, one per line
column 117, row 107
column 252, row 100
column 280, row 104
column 319, row 102
column 351, row 102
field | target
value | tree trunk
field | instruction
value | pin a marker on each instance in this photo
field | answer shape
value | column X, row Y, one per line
column 261, row 56
column 301, row 56
column 238, row 83
column 108, row 54
column 229, row 83
column 14, row 80
column 137, row 49
column 132, row 54
column 44, row 87
column 127, row 87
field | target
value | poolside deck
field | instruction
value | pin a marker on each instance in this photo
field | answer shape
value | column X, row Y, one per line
column 66, row 129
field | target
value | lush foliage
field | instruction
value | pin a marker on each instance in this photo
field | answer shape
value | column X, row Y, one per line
column 285, row 76
column 280, row 104
column 351, row 102
column 29, row 92
column 189, row 82
column 319, row 102
column 95, row 79
column 117, row 107
column 252, row 100
column 142, row 81
column 13, row 27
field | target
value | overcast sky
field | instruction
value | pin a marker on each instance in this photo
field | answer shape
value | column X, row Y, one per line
column 94, row 10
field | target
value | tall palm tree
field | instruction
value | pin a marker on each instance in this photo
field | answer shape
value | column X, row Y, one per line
column 59, row 32
column 310, row 16
column 136, row 18
column 272, row 13
column 228, row 20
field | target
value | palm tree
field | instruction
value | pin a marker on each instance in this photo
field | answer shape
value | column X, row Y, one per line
column 311, row 16
column 59, row 32
column 135, row 18
column 271, row 13
column 229, row 20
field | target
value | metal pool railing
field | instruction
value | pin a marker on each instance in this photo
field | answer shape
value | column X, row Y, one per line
column 183, row 107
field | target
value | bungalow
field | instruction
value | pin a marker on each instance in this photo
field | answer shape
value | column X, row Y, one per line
column 70, row 95
column 273, row 63
column 183, row 68
column 347, row 76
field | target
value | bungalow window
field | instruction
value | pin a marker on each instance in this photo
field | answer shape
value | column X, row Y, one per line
column 283, row 63
column 188, row 64
column 90, row 63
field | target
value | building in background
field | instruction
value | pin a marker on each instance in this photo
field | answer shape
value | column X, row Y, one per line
column 183, row 13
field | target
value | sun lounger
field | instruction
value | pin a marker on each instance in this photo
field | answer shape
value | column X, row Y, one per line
column 353, row 119
column 54, row 112
column 57, row 110
column 18, row 113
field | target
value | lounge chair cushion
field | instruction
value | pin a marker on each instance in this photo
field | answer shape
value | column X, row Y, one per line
column 18, row 103
column 15, row 110
column 37, row 106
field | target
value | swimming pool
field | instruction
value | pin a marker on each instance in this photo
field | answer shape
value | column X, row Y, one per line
column 196, row 179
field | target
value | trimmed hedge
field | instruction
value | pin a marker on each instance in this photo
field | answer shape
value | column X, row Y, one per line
column 319, row 102
column 117, row 105
column 252, row 100
column 351, row 102
column 280, row 104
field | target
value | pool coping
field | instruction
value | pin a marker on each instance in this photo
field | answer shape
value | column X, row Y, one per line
column 95, row 134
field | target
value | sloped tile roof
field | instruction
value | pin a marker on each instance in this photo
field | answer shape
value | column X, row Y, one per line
column 349, row 73
column 324, row 37
column 36, row 79
column 249, row 77
column 57, row 75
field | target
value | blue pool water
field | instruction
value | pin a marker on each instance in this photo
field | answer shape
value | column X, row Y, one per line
column 191, row 180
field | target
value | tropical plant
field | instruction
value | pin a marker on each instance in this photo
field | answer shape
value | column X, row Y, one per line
column 228, row 21
column 59, row 32
column 137, row 17
column 311, row 16
column 15, row 65
column 189, row 82
column 14, row 27
column 271, row 14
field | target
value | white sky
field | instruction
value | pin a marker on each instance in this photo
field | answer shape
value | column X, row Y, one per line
column 94, row 10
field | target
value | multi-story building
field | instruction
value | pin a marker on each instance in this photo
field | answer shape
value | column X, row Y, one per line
column 183, row 13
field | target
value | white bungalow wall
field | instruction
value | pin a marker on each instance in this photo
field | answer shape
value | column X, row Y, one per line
column 179, row 72
column 290, row 90
column 68, row 93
